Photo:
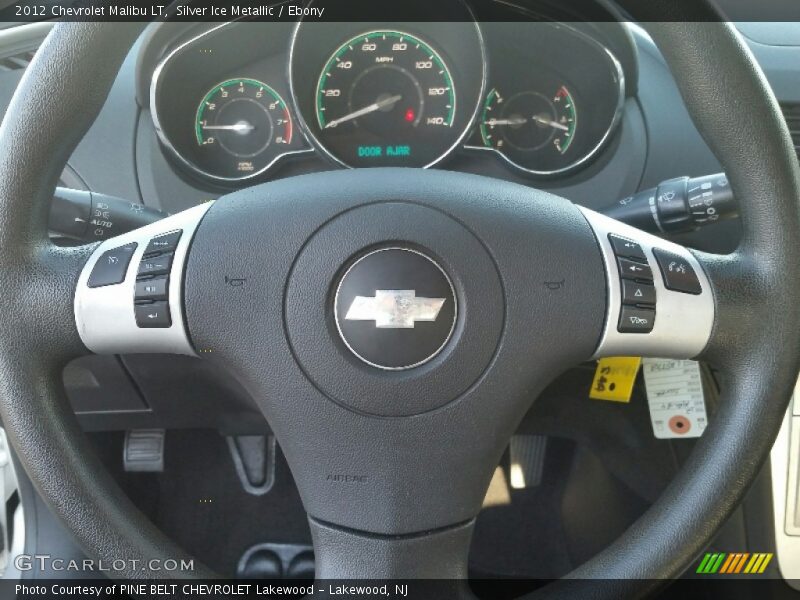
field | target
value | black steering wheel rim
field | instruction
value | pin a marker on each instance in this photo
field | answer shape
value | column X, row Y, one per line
column 753, row 340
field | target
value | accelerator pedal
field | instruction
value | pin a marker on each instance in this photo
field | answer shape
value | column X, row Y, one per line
column 526, row 454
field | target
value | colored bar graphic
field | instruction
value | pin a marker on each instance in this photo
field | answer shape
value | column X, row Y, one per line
column 734, row 563
column 701, row 568
column 763, row 565
column 729, row 563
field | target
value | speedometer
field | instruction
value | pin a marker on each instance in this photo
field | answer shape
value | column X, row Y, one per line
column 386, row 98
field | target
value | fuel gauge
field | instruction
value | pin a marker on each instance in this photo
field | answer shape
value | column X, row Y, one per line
column 530, row 125
column 554, row 102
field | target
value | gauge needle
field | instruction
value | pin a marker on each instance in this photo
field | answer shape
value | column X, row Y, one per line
column 512, row 121
column 240, row 127
column 545, row 121
column 366, row 110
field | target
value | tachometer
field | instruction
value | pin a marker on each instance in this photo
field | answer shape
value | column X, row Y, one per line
column 386, row 98
column 240, row 125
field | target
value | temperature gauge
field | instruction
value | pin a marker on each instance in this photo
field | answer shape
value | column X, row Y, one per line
column 530, row 127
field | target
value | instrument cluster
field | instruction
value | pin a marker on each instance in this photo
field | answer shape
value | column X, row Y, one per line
column 238, row 100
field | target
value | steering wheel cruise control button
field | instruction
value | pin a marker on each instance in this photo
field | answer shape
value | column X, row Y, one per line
column 636, row 320
column 112, row 266
column 152, row 289
column 637, row 313
column 637, row 293
column 163, row 243
column 153, row 315
column 678, row 274
column 629, row 269
column 625, row 247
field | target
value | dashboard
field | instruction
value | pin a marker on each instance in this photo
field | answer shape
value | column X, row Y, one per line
column 143, row 145
column 630, row 131
column 234, row 103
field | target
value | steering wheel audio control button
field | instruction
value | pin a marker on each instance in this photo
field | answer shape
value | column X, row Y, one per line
column 678, row 274
column 144, row 313
column 157, row 265
column 152, row 315
column 163, row 243
column 629, row 269
column 152, row 289
column 627, row 248
column 112, row 266
column 636, row 320
column 637, row 293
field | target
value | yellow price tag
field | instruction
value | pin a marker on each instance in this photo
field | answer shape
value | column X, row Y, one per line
column 614, row 378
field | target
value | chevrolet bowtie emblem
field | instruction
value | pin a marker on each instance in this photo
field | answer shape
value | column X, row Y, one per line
column 394, row 309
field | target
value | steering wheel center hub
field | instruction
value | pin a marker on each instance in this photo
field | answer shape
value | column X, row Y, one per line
column 395, row 308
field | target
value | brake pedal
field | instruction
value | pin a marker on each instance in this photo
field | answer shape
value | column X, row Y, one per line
column 144, row 451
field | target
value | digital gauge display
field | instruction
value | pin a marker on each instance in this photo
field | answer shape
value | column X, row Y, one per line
column 385, row 98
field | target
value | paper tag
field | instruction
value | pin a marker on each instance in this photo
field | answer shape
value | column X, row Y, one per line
column 614, row 378
column 675, row 396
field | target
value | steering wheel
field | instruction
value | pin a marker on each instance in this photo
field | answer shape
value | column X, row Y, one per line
column 394, row 324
